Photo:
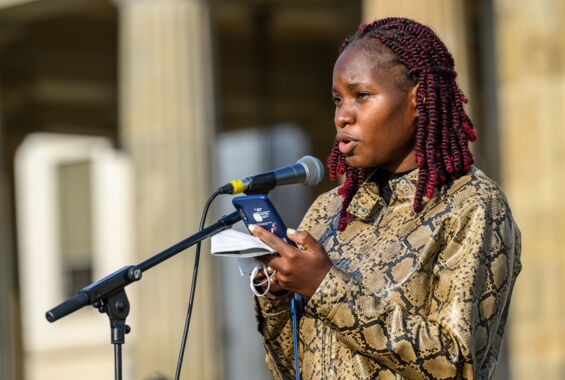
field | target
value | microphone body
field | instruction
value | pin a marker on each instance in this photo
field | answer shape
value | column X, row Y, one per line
column 308, row 171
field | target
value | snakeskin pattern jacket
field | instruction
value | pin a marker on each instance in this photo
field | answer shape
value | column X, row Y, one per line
column 410, row 296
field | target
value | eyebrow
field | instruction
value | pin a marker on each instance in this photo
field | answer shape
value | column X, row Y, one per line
column 353, row 86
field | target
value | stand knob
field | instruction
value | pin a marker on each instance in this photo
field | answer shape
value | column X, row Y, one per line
column 134, row 273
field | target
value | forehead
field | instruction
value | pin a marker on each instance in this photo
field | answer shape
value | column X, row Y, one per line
column 354, row 57
column 358, row 62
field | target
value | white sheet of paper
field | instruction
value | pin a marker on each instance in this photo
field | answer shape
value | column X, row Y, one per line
column 231, row 243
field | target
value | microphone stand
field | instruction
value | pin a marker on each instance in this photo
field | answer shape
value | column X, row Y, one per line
column 108, row 294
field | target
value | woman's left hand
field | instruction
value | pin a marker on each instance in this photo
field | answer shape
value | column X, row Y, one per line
column 298, row 270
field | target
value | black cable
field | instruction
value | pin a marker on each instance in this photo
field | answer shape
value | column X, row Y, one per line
column 193, row 287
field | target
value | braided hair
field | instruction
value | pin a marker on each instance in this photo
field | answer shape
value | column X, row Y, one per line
column 443, row 128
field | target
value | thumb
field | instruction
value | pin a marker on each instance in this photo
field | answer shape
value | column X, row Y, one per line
column 303, row 239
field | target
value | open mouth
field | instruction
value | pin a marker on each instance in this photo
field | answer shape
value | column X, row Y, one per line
column 346, row 146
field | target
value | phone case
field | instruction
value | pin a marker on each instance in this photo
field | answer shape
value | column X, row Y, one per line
column 259, row 210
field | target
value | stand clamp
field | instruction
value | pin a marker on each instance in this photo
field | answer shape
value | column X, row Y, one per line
column 117, row 308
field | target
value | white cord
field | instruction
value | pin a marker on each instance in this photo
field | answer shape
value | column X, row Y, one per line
column 267, row 280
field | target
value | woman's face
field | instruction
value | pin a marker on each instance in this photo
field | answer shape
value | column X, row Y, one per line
column 374, row 118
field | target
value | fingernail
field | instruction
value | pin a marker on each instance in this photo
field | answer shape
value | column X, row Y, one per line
column 290, row 231
column 251, row 227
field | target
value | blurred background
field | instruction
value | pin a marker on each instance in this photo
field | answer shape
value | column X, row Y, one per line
column 118, row 118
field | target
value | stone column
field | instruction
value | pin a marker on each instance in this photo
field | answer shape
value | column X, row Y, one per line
column 531, row 66
column 9, row 324
column 167, row 126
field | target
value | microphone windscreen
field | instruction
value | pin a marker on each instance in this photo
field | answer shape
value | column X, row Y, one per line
column 314, row 170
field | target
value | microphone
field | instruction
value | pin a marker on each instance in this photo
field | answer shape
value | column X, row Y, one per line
column 308, row 171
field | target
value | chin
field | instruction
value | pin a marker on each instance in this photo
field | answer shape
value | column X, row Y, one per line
column 357, row 163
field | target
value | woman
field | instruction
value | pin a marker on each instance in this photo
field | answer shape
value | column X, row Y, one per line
column 408, row 267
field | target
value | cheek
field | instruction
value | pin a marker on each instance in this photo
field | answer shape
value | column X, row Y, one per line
column 373, row 125
column 396, row 126
column 379, row 131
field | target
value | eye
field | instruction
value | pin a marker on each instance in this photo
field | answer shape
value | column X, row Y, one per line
column 362, row 95
column 336, row 100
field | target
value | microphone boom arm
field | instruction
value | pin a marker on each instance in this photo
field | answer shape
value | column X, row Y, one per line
column 96, row 293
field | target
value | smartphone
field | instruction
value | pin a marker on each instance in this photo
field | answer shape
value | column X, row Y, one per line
column 258, row 209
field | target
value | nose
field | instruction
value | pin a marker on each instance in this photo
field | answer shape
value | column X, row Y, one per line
column 343, row 116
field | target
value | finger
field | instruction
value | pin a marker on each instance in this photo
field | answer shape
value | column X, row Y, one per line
column 261, row 273
column 271, row 262
column 266, row 259
column 302, row 238
column 260, row 281
column 278, row 263
column 272, row 240
column 274, row 262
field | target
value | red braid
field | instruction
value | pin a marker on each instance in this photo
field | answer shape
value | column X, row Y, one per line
column 443, row 129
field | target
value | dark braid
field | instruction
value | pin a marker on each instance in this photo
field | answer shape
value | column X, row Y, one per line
column 443, row 129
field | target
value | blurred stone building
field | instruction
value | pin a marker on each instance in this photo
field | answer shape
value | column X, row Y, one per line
column 114, row 122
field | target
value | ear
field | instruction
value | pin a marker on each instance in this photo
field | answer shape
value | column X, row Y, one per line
column 413, row 99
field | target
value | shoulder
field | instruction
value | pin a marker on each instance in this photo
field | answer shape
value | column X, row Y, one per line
column 478, row 209
column 322, row 211
column 474, row 191
column 478, row 221
column 473, row 208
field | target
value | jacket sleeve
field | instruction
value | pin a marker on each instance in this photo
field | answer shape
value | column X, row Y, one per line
column 473, row 279
column 275, row 325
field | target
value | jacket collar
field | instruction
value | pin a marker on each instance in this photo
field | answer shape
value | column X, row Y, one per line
column 367, row 201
